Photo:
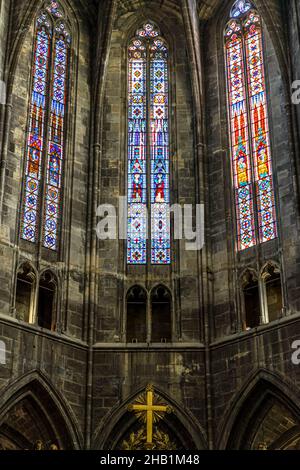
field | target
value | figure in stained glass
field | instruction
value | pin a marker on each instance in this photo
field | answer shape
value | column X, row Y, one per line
column 148, row 109
column 48, row 98
column 248, row 117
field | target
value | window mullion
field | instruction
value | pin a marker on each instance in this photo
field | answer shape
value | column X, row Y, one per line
column 148, row 152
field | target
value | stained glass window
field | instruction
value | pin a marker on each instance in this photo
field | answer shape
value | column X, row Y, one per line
column 148, row 148
column 36, row 130
column 159, row 154
column 55, row 9
column 239, row 8
column 45, row 144
column 137, row 158
column 249, row 130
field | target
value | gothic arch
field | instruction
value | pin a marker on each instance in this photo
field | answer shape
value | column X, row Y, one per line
column 117, row 424
column 125, row 23
column 19, row 54
column 14, row 58
column 249, row 271
column 163, row 285
column 269, row 265
column 135, row 325
column 221, row 8
column 26, row 271
column 133, row 5
column 28, row 264
column 26, row 39
column 135, row 22
column 52, row 412
column 49, row 283
column 213, row 28
column 244, row 415
column 162, row 313
column 287, row 440
column 218, row 20
column 28, row 16
column 128, row 21
column 128, row 26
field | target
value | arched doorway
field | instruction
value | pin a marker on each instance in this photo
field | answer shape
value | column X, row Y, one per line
column 31, row 419
column 126, row 430
column 268, row 419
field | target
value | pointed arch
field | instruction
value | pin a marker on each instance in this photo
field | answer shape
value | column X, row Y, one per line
column 271, row 275
column 161, row 314
column 47, row 301
column 270, row 15
column 250, row 298
column 244, row 413
column 24, row 301
column 20, row 57
column 148, row 147
column 119, row 421
column 46, row 142
column 27, row 17
column 52, row 411
column 136, row 315
column 248, row 117
column 290, row 440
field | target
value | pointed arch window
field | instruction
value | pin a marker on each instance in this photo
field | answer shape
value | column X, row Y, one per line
column 148, row 148
column 136, row 327
column 45, row 146
column 249, row 127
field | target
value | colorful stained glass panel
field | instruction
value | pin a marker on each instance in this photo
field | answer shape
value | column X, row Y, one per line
column 148, row 31
column 159, row 155
column 55, row 9
column 137, row 164
column 56, row 144
column 240, row 148
column 148, row 148
column 35, row 143
column 250, row 138
column 239, row 8
column 260, row 129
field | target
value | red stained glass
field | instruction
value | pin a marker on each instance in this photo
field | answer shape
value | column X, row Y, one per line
column 148, row 147
column 248, row 117
column 48, row 99
column 56, row 143
column 35, row 142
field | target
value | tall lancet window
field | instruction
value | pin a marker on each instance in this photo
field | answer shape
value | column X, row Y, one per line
column 45, row 145
column 148, row 148
column 249, row 127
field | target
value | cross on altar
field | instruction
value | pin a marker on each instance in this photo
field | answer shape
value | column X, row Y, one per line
column 149, row 411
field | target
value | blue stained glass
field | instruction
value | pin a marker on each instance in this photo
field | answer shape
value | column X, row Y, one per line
column 48, row 98
column 148, row 30
column 159, row 150
column 35, row 143
column 148, row 123
column 137, row 170
column 239, row 8
column 56, row 144
column 250, row 136
column 55, row 9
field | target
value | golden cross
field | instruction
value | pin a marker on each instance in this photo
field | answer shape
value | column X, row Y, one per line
column 151, row 410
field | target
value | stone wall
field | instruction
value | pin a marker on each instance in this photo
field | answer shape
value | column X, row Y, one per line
column 88, row 366
column 115, row 277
